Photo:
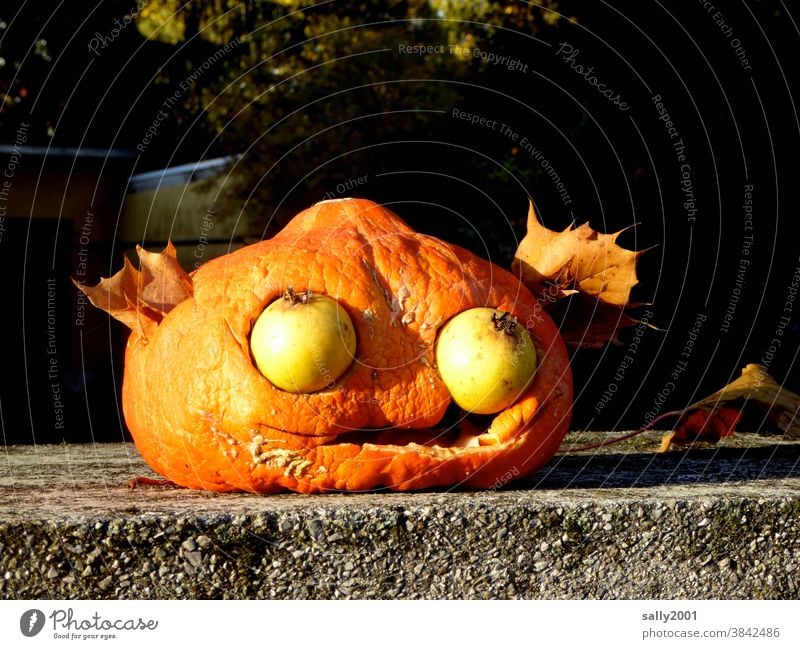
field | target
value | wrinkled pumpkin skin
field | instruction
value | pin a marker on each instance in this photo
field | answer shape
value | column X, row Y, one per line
column 203, row 416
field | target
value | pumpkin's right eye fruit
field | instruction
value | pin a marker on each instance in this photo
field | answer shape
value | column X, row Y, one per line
column 303, row 342
column 486, row 359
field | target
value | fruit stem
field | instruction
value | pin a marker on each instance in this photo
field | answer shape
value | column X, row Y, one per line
column 297, row 298
column 505, row 322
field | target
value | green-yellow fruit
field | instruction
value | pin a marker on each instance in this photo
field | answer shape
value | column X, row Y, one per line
column 486, row 359
column 303, row 342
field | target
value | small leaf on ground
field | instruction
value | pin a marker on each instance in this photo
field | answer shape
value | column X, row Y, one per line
column 703, row 426
column 717, row 415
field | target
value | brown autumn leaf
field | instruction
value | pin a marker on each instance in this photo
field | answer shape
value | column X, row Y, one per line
column 582, row 261
column 754, row 385
column 164, row 283
column 576, row 259
column 587, row 323
column 141, row 299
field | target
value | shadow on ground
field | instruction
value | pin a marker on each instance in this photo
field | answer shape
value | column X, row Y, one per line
column 690, row 467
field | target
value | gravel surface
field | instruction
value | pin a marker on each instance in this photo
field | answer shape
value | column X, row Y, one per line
column 622, row 523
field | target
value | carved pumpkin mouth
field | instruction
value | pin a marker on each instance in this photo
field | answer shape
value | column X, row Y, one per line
column 203, row 415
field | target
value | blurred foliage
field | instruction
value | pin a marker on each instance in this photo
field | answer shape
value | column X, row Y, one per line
column 162, row 21
column 77, row 76
column 310, row 94
column 313, row 94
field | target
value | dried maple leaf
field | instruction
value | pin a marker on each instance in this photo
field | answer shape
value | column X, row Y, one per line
column 576, row 260
column 579, row 260
column 164, row 283
column 141, row 298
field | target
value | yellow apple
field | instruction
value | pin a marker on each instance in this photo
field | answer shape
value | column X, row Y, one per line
column 486, row 359
column 303, row 342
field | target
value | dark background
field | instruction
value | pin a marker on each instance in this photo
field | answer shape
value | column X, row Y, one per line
column 345, row 103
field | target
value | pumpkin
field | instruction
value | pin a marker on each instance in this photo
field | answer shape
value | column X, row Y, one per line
column 203, row 415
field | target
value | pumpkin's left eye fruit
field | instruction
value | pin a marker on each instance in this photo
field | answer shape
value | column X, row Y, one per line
column 486, row 359
column 303, row 342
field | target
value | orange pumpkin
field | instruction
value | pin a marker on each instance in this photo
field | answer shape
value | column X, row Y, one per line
column 203, row 416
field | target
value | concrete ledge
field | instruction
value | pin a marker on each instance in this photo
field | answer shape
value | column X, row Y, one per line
column 720, row 522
